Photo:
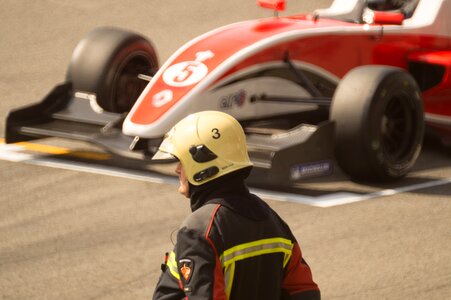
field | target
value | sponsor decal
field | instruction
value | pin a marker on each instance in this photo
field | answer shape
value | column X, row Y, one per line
column 311, row 169
column 186, row 267
column 161, row 98
column 235, row 99
column 188, row 72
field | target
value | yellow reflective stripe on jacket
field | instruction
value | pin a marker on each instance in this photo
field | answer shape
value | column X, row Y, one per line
column 255, row 248
column 252, row 249
column 229, row 272
column 172, row 265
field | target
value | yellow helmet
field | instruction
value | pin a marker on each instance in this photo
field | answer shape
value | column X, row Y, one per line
column 208, row 144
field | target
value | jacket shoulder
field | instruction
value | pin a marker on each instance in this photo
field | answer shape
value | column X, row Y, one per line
column 200, row 219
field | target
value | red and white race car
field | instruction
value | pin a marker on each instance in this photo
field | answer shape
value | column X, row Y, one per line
column 357, row 82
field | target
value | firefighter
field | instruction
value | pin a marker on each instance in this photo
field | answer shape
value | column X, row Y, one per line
column 233, row 245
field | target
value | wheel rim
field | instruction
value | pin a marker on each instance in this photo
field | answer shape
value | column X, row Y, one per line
column 398, row 129
column 127, row 85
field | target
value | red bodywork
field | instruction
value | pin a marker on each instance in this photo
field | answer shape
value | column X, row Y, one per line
column 420, row 45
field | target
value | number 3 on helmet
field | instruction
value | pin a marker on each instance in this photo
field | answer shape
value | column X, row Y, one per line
column 208, row 144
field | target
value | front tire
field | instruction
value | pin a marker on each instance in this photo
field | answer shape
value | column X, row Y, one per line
column 107, row 62
column 379, row 119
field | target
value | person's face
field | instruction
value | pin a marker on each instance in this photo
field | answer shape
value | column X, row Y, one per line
column 183, row 181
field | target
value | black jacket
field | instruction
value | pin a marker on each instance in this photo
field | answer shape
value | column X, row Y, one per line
column 234, row 246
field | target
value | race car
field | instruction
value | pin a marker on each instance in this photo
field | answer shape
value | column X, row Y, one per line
column 356, row 83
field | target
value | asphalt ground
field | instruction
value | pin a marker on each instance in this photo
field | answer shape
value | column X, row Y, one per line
column 68, row 234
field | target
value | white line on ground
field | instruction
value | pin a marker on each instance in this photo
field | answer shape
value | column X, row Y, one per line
column 13, row 152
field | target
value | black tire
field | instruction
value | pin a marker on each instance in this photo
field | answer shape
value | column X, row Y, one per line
column 107, row 62
column 379, row 118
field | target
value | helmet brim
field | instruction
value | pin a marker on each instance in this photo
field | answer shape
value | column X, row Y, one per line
column 165, row 150
column 162, row 155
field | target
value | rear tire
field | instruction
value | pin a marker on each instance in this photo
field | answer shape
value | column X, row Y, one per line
column 107, row 62
column 379, row 119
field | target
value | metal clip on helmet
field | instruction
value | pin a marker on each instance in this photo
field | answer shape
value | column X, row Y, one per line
column 209, row 144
